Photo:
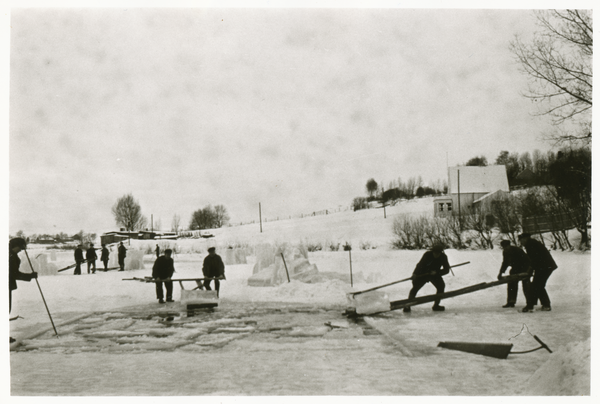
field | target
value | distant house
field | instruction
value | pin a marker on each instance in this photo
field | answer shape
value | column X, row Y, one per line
column 471, row 186
column 45, row 239
column 526, row 178
column 116, row 236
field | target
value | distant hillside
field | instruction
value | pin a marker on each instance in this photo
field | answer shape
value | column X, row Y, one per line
column 365, row 226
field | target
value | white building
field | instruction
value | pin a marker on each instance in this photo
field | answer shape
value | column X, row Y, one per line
column 470, row 185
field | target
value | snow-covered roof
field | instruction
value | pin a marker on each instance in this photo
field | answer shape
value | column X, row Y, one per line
column 486, row 196
column 477, row 179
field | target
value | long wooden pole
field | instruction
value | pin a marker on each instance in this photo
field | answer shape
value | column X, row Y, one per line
column 404, row 280
column 38, row 285
column 350, row 256
column 286, row 270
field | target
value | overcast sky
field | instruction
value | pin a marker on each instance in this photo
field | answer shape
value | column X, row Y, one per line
column 293, row 108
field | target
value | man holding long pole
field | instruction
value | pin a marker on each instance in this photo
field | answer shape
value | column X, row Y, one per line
column 15, row 246
column 432, row 266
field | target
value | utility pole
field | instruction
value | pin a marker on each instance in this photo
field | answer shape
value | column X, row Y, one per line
column 459, row 214
column 383, row 201
column 260, row 217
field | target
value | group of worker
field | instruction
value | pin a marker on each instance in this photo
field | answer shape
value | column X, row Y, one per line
column 163, row 269
column 91, row 257
column 535, row 261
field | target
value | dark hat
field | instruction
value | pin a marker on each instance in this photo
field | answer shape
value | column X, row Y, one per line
column 524, row 235
column 505, row 243
column 211, row 249
column 17, row 242
column 437, row 248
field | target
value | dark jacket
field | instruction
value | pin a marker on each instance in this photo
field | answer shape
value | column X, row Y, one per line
column 540, row 257
column 122, row 252
column 429, row 263
column 105, row 254
column 515, row 258
column 213, row 266
column 78, row 255
column 90, row 254
column 163, row 267
column 14, row 275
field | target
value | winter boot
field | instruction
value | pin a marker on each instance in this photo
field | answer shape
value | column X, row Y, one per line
column 508, row 305
column 161, row 301
column 406, row 309
column 527, row 309
column 546, row 308
column 438, row 308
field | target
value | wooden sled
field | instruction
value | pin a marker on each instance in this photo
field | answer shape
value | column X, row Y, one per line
column 196, row 298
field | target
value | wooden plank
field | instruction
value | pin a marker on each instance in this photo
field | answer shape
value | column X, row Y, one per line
column 150, row 280
column 400, row 304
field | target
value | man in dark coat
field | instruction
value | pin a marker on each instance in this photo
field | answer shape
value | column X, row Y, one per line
column 15, row 246
column 122, row 253
column 162, row 271
column 519, row 263
column 543, row 265
column 104, row 257
column 157, row 251
column 91, row 257
column 429, row 269
column 213, row 267
column 78, row 260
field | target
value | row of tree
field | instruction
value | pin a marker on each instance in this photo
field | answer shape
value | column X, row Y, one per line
column 80, row 237
column 398, row 189
column 537, row 163
column 209, row 218
column 128, row 215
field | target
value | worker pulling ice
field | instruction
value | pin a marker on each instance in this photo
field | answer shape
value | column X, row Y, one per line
column 162, row 271
column 432, row 266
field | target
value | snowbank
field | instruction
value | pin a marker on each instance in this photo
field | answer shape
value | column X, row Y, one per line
column 566, row 373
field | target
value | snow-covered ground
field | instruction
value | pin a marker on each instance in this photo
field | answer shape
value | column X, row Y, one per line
column 294, row 339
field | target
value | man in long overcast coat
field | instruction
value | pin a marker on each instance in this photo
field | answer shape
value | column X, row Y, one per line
column 213, row 267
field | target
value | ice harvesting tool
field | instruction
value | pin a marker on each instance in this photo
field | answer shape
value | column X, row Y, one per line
column 500, row 351
column 401, row 280
column 71, row 266
column 378, row 302
column 286, row 269
column 38, row 285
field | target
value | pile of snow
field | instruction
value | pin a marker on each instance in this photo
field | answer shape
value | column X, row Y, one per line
column 566, row 373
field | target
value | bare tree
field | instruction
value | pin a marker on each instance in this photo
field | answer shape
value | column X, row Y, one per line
column 372, row 187
column 175, row 223
column 479, row 161
column 411, row 187
column 203, row 218
column 221, row 216
column 128, row 213
column 558, row 62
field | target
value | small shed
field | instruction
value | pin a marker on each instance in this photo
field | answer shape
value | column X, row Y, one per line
column 442, row 207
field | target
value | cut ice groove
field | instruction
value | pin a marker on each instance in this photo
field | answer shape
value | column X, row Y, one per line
column 137, row 331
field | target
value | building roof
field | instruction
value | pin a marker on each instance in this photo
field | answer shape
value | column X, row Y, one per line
column 475, row 179
column 490, row 195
